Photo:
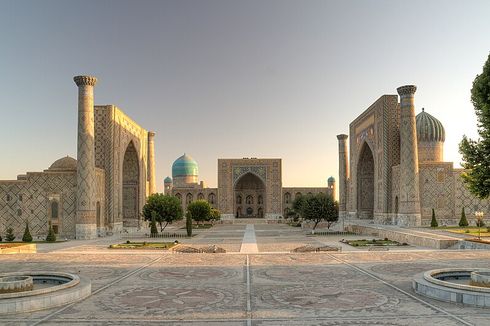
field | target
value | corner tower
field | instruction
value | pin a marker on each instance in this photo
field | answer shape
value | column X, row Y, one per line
column 86, row 224
column 343, row 174
column 409, row 206
column 151, row 163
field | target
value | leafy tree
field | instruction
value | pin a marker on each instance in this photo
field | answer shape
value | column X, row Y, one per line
column 51, row 237
column 215, row 214
column 153, row 225
column 27, row 237
column 433, row 221
column 296, row 212
column 188, row 224
column 200, row 210
column 166, row 208
column 463, row 221
column 476, row 153
column 319, row 207
column 9, row 234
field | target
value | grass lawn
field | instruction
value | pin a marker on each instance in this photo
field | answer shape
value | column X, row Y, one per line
column 11, row 245
column 143, row 245
column 470, row 230
column 373, row 242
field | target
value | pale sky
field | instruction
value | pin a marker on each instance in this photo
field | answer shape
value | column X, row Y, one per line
column 232, row 79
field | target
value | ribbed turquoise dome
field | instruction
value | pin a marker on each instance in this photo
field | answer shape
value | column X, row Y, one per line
column 167, row 180
column 331, row 179
column 184, row 166
column 429, row 129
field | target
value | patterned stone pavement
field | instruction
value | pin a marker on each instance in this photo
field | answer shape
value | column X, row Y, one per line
column 349, row 288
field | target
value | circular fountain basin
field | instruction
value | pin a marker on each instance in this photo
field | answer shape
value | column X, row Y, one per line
column 453, row 285
column 480, row 278
column 12, row 284
column 48, row 290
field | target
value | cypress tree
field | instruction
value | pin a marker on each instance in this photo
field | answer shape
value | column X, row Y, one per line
column 188, row 224
column 51, row 237
column 9, row 236
column 433, row 221
column 153, row 226
column 463, row 221
column 27, row 237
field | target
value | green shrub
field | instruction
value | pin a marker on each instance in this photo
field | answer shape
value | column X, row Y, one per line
column 433, row 221
column 27, row 237
column 128, row 242
column 9, row 235
column 51, row 237
column 1, row 238
column 463, row 221
column 466, row 231
column 386, row 239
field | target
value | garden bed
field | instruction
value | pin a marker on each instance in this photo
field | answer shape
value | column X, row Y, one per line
column 199, row 226
column 373, row 243
column 144, row 245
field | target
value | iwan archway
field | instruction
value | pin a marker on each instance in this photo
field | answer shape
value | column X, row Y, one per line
column 131, row 187
column 249, row 197
column 365, row 183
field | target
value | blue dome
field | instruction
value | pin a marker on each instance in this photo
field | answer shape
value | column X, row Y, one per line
column 331, row 179
column 184, row 166
column 168, row 180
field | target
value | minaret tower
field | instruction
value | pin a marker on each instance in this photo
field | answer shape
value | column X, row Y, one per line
column 86, row 224
column 409, row 202
column 343, row 174
column 151, row 163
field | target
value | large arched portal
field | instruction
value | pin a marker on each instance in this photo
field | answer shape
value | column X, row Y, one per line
column 365, row 183
column 252, row 189
column 130, row 186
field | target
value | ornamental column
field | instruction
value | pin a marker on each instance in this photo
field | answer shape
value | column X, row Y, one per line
column 343, row 174
column 151, row 163
column 409, row 201
column 86, row 224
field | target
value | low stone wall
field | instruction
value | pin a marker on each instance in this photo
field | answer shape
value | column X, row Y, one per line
column 464, row 244
column 30, row 248
column 399, row 235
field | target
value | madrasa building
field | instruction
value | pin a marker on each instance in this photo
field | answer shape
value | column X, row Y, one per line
column 393, row 171
column 247, row 188
column 99, row 193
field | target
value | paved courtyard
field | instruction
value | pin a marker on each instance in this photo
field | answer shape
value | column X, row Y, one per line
column 266, row 287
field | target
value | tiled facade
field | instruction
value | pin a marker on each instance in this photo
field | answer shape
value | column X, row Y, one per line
column 375, row 177
column 121, row 183
column 247, row 188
